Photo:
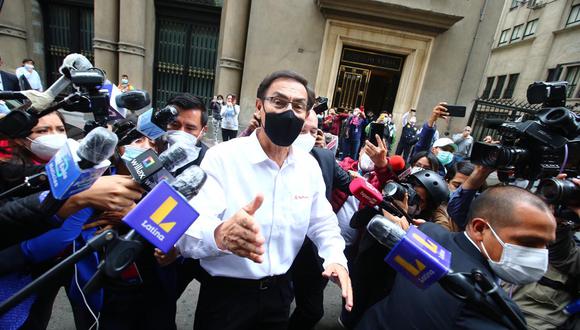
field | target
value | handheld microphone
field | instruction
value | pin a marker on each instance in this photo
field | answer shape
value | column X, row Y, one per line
column 362, row 190
column 153, row 123
column 164, row 214
column 397, row 163
column 177, row 156
column 76, row 166
column 412, row 254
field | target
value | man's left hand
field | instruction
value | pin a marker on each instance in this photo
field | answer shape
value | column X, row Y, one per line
column 339, row 275
column 378, row 153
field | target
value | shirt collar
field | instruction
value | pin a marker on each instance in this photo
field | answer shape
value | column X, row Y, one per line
column 256, row 153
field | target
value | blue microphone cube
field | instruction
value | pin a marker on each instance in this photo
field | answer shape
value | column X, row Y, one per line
column 419, row 258
column 65, row 176
column 162, row 216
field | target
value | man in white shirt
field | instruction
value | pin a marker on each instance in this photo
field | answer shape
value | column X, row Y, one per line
column 260, row 200
column 27, row 70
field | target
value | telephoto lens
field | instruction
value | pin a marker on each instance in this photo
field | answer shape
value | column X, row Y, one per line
column 397, row 192
column 559, row 192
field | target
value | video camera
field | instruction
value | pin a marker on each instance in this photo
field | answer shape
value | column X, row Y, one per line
column 321, row 105
column 87, row 98
column 538, row 148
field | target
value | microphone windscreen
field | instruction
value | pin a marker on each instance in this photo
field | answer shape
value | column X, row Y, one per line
column 385, row 231
column 397, row 163
column 75, row 61
column 365, row 192
column 133, row 100
column 98, row 145
column 190, row 181
column 175, row 157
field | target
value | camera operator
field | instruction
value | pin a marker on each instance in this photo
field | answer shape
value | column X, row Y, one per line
column 543, row 302
column 506, row 238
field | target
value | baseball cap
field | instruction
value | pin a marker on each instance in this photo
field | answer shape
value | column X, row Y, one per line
column 442, row 142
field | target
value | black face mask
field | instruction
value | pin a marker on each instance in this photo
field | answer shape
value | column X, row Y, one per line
column 283, row 128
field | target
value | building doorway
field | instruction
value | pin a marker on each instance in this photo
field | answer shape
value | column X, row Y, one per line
column 367, row 78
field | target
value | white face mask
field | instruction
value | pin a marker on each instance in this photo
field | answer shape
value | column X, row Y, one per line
column 518, row 264
column 46, row 146
column 186, row 139
column 29, row 67
column 132, row 152
column 365, row 163
column 304, row 142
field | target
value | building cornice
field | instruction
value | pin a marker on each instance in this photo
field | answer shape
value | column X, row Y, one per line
column 12, row 31
column 388, row 15
column 104, row 44
column 231, row 63
column 129, row 48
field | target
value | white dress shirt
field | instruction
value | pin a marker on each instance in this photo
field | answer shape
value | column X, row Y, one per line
column 294, row 206
column 32, row 77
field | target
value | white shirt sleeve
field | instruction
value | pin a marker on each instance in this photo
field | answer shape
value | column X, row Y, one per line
column 198, row 241
column 324, row 230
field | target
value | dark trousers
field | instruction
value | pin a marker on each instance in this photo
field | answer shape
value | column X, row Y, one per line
column 41, row 310
column 404, row 150
column 308, row 284
column 238, row 304
column 228, row 134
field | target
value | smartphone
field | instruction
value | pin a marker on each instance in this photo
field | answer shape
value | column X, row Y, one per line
column 376, row 128
column 456, row 110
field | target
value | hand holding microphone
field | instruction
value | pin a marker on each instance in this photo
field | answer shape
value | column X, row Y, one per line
column 241, row 235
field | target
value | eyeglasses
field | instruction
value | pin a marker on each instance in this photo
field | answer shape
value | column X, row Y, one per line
column 282, row 104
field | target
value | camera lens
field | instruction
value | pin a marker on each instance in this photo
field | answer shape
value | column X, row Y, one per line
column 559, row 191
column 394, row 190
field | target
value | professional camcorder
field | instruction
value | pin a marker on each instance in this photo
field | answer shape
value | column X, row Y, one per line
column 321, row 105
column 538, row 148
column 563, row 194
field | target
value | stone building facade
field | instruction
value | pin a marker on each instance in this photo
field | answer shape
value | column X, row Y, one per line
column 385, row 54
column 535, row 40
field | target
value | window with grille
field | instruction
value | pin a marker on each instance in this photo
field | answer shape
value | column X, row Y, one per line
column 488, row 86
column 572, row 74
column 517, row 32
column 503, row 38
column 531, row 28
column 498, row 87
column 509, row 90
column 574, row 16
column 514, row 4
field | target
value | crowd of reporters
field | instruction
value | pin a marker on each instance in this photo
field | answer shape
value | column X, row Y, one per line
column 445, row 197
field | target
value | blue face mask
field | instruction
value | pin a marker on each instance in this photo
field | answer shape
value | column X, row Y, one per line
column 445, row 157
column 132, row 152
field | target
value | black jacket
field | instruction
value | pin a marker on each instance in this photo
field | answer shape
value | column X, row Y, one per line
column 408, row 307
column 9, row 81
column 334, row 176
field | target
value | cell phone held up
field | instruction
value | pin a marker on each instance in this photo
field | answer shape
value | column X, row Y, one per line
column 456, row 110
column 376, row 128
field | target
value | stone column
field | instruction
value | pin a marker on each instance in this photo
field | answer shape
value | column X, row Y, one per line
column 13, row 34
column 131, row 46
column 232, row 46
column 106, row 37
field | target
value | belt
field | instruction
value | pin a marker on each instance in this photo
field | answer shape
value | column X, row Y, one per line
column 264, row 283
